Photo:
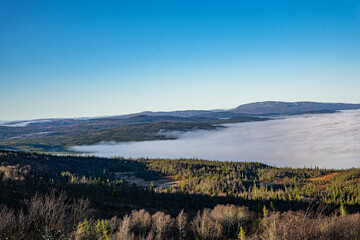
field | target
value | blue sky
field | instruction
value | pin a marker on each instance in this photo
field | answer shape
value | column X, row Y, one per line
column 93, row 58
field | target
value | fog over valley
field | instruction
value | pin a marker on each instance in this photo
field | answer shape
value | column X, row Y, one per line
column 324, row 140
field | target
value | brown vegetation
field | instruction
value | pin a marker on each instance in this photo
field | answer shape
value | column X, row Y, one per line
column 326, row 177
column 52, row 216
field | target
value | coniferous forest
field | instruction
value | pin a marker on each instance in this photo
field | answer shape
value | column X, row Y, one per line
column 72, row 197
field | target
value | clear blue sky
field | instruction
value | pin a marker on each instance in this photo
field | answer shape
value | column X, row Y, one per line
column 91, row 58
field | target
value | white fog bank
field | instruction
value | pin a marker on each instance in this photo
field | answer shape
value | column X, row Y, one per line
column 324, row 140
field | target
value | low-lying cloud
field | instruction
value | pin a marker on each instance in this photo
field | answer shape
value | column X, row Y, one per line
column 324, row 140
column 21, row 123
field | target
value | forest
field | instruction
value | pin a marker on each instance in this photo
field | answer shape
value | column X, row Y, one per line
column 75, row 197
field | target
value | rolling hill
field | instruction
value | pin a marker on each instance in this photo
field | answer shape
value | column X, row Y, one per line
column 57, row 135
column 273, row 107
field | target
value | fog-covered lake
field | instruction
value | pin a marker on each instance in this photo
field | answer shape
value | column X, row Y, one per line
column 324, row 140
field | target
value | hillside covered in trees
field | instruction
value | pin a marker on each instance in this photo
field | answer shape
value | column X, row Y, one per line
column 69, row 197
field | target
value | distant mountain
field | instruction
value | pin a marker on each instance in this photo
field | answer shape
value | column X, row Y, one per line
column 272, row 107
column 57, row 135
column 184, row 113
column 144, row 118
column 219, row 115
column 257, row 108
column 251, row 109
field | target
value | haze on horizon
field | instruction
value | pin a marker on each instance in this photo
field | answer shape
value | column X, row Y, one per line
column 64, row 59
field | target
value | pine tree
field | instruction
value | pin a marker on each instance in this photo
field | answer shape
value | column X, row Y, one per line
column 241, row 235
column 343, row 209
column 265, row 211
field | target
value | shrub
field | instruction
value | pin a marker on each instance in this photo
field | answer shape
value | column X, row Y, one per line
column 124, row 230
column 298, row 225
column 205, row 227
column 231, row 218
column 162, row 225
column 12, row 226
column 140, row 222
column 182, row 225
column 51, row 216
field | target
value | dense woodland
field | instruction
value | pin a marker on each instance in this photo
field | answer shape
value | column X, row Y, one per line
column 71, row 197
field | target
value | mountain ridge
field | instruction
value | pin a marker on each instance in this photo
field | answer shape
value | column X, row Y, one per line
column 278, row 107
column 57, row 135
column 265, row 108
